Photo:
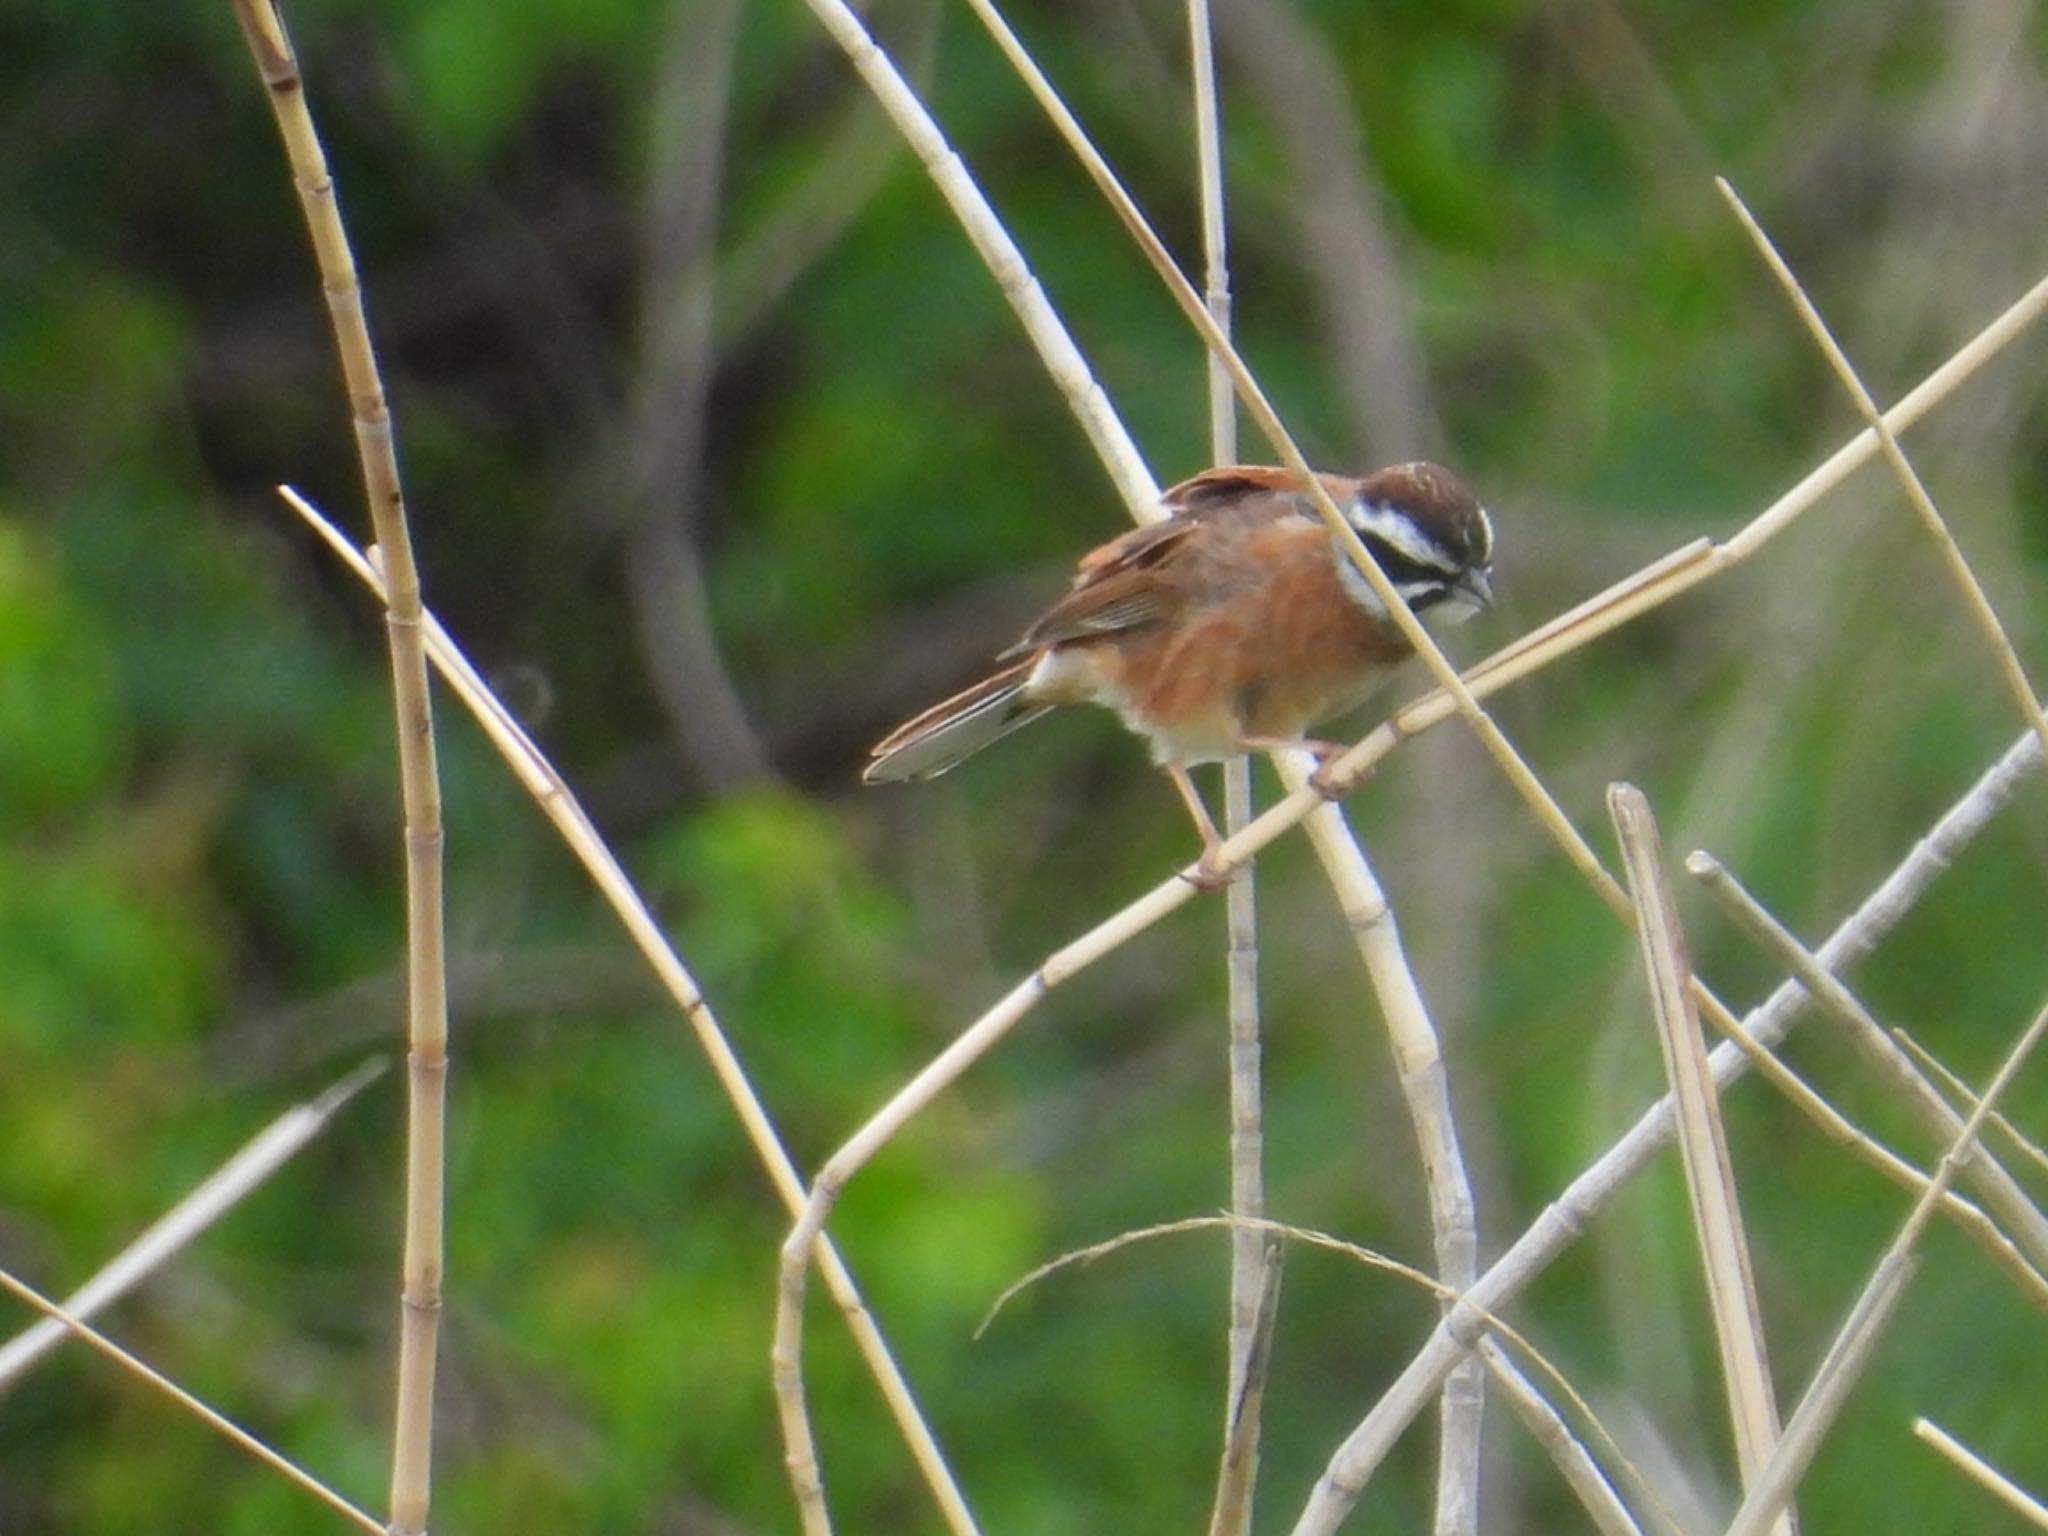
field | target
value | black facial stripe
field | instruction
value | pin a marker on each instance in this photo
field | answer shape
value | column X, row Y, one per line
column 1404, row 570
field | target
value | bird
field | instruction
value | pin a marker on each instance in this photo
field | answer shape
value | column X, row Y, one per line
column 1236, row 622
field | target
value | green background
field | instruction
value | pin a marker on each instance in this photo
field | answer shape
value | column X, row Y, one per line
column 200, row 884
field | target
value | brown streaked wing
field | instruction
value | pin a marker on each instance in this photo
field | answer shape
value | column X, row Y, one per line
column 1226, row 483
column 1114, row 589
column 1118, row 587
column 1101, row 605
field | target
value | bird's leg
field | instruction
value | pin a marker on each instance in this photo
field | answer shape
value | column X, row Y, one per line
column 1208, row 874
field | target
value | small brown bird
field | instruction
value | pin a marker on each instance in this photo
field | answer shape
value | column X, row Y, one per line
column 1235, row 623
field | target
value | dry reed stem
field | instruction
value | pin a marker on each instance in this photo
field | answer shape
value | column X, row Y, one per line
column 1215, row 245
column 1965, row 361
column 220, row 1192
column 1702, row 1140
column 2010, row 668
column 2000, row 1192
column 1566, row 1217
column 932, row 1079
column 538, row 777
column 1254, row 1258
column 1982, row 1473
column 1963, row 1093
column 1425, row 1089
column 212, row 1419
column 419, row 781
column 1858, row 1336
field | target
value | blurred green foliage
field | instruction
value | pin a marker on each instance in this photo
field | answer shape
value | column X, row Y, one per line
column 200, row 887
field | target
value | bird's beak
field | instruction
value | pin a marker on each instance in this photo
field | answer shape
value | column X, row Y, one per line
column 1477, row 589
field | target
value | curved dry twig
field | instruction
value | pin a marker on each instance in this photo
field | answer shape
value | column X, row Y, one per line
column 1498, row 1330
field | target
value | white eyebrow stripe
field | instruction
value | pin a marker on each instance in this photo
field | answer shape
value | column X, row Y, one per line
column 1485, row 537
column 1399, row 533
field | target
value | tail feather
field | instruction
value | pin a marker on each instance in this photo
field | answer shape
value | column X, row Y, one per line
column 955, row 728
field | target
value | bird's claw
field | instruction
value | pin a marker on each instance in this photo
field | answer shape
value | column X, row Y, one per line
column 1209, row 872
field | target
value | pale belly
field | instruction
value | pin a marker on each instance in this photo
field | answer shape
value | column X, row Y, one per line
column 1273, row 662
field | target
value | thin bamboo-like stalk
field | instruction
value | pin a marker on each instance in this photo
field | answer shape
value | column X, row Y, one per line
column 1702, row 1140
column 419, row 780
column 1425, row 1089
column 1873, row 1307
column 1982, row 1473
column 214, row 1420
column 2001, row 1193
column 1345, row 255
column 1255, row 1257
column 220, row 1192
column 1215, row 245
column 1255, row 1263
column 537, row 776
column 2010, row 669
column 937, row 1074
column 1567, row 1216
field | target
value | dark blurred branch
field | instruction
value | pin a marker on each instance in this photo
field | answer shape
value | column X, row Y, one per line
column 490, row 985
column 1601, row 41
column 1346, row 245
column 840, row 176
column 666, row 415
